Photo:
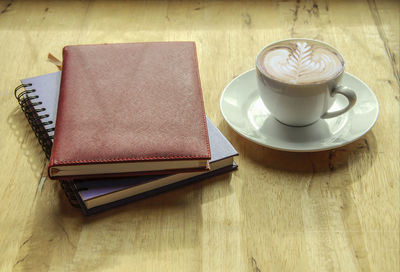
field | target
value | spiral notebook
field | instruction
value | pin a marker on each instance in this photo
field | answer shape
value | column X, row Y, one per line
column 38, row 97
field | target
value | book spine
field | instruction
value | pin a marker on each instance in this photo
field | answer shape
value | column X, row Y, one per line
column 30, row 105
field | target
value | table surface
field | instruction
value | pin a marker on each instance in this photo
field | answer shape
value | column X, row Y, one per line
column 334, row 210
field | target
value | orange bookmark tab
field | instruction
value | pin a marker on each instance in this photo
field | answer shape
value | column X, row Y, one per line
column 55, row 61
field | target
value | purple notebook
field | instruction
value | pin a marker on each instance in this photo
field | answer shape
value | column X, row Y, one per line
column 96, row 195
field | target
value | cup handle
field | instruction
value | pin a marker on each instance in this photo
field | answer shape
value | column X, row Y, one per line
column 346, row 92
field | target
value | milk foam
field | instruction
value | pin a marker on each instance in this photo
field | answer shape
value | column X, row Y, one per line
column 301, row 62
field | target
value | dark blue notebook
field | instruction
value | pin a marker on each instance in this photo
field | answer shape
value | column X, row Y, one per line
column 40, row 99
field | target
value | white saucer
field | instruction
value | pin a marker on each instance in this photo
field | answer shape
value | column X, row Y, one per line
column 244, row 111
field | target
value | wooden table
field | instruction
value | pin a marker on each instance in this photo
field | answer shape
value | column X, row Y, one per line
column 335, row 210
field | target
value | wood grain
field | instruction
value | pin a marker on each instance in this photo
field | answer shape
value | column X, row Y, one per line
column 335, row 210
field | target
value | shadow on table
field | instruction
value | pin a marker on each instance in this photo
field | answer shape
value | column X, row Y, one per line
column 329, row 160
column 167, row 222
column 27, row 140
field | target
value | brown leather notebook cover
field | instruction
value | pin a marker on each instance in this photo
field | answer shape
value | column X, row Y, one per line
column 129, row 109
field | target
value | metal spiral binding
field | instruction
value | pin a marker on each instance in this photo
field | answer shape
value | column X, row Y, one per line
column 28, row 101
column 69, row 192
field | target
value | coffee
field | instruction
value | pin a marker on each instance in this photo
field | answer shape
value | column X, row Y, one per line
column 298, row 80
column 300, row 62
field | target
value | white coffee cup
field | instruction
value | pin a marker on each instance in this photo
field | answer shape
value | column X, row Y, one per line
column 298, row 80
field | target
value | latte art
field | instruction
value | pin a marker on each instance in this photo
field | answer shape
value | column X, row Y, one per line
column 301, row 62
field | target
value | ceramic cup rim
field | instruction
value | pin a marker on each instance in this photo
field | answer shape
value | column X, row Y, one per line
column 305, row 84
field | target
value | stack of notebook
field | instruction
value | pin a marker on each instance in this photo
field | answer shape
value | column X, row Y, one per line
column 123, row 122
